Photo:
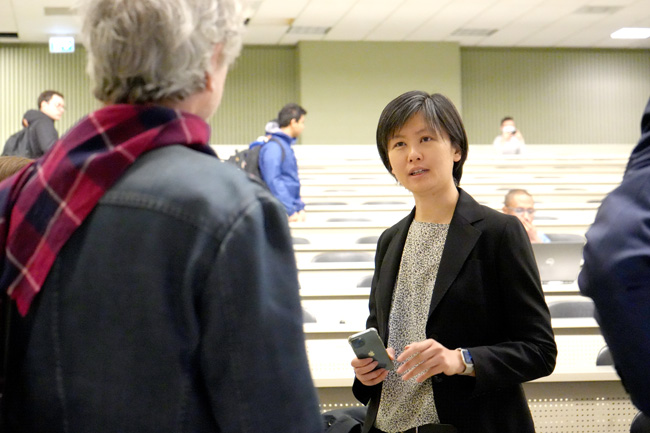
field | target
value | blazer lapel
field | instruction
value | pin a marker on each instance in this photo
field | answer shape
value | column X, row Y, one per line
column 388, row 275
column 461, row 239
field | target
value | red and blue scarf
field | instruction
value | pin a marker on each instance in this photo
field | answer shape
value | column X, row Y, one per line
column 43, row 204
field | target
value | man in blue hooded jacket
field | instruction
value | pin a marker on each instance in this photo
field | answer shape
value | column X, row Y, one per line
column 277, row 161
column 616, row 271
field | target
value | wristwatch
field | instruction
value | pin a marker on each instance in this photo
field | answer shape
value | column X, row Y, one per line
column 466, row 357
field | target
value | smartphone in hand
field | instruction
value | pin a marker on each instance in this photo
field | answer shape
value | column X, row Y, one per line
column 367, row 344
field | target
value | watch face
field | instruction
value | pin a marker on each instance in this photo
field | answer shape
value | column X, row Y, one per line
column 467, row 357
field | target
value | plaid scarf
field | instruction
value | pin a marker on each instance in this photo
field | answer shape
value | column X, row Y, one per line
column 42, row 205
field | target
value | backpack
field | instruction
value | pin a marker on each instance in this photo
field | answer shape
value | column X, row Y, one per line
column 344, row 420
column 13, row 144
column 248, row 160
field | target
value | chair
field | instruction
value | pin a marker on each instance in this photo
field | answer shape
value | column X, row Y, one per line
column 368, row 240
column 640, row 423
column 565, row 237
column 604, row 356
column 365, row 281
column 301, row 241
column 344, row 420
column 571, row 309
column 343, row 256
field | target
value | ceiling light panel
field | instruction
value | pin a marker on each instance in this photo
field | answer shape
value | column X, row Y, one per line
column 631, row 33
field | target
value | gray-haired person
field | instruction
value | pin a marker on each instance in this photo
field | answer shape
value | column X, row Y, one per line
column 162, row 295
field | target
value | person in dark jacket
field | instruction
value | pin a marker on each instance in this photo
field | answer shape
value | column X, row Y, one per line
column 616, row 271
column 155, row 288
column 456, row 294
column 39, row 134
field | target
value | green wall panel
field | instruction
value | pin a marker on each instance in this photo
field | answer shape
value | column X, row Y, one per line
column 345, row 85
column 557, row 96
column 26, row 70
column 262, row 80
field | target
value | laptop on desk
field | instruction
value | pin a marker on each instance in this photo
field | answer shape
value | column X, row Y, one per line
column 558, row 261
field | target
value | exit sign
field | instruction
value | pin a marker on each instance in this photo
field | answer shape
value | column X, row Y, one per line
column 61, row 44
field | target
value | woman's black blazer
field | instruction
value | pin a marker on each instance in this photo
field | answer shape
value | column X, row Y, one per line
column 487, row 298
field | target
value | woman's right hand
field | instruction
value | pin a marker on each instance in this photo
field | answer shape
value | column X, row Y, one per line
column 364, row 369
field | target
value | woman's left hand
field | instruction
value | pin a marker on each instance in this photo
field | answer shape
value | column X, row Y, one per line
column 430, row 357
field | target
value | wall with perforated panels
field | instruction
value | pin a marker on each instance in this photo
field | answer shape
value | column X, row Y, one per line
column 557, row 407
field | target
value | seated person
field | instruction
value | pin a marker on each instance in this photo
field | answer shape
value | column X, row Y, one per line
column 520, row 203
column 510, row 142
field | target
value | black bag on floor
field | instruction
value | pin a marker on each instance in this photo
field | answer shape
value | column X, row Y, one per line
column 346, row 420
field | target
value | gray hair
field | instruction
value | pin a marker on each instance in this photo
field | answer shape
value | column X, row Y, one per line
column 153, row 50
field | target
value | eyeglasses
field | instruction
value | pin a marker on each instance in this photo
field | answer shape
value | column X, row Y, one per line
column 522, row 210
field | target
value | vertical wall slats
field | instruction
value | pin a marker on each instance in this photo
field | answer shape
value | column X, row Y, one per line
column 557, row 96
column 259, row 84
column 27, row 70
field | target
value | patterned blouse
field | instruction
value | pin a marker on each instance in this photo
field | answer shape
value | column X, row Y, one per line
column 408, row 404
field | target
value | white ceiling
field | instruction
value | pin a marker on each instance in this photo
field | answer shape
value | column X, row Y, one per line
column 513, row 23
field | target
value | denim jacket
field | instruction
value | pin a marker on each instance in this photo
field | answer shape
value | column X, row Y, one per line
column 173, row 308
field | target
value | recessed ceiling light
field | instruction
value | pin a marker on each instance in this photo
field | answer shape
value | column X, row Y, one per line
column 598, row 9
column 58, row 11
column 631, row 33
column 305, row 30
column 473, row 32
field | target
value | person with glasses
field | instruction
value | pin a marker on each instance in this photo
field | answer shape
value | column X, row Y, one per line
column 39, row 134
column 520, row 203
